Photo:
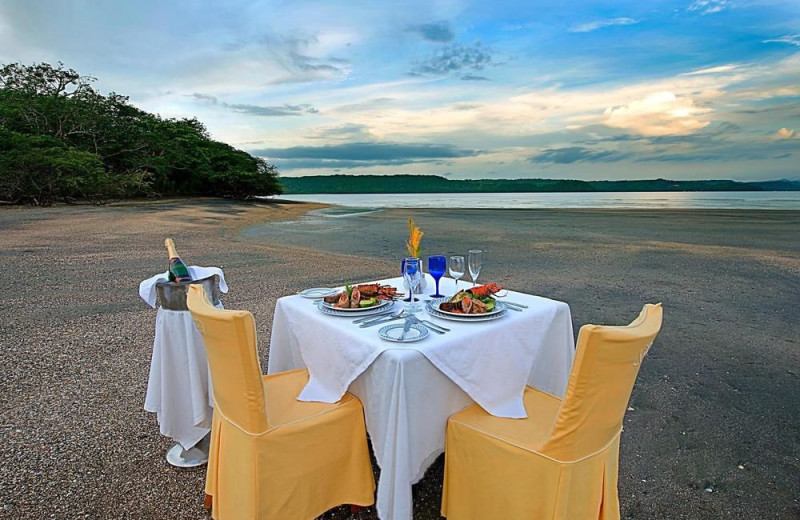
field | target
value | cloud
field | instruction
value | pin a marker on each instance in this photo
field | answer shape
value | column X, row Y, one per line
column 473, row 77
column 304, row 59
column 573, row 154
column 283, row 110
column 786, row 133
column 659, row 113
column 439, row 32
column 712, row 70
column 791, row 39
column 601, row 24
column 369, row 151
column 258, row 110
column 708, row 6
column 347, row 131
column 454, row 58
column 338, row 164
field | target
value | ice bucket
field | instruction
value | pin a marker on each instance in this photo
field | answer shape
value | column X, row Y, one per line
column 172, row 295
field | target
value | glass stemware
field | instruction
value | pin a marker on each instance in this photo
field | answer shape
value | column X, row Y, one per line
column 456, row 268
column 437, row 265
column 475, row 263
column 412, row 274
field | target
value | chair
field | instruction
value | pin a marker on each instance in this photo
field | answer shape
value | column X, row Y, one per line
column 561, row 462
column 273, row 457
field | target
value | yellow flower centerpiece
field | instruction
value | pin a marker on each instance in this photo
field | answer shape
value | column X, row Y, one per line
column 413, row 248
column 414, row 237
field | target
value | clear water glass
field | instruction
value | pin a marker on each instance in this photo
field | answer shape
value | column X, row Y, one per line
column 412, row 274
column 437, row 265
column 475, row 263
column 457, row 268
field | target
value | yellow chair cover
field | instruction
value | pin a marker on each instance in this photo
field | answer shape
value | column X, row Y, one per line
column 562, row 461
column 273, row 457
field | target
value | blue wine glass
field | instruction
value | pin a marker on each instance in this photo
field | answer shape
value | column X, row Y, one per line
column 412, row 273
column 437, row 265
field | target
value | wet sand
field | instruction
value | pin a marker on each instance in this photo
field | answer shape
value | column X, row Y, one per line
column 715, row 426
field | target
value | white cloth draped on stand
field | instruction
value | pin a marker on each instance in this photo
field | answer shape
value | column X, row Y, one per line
column 179, row 387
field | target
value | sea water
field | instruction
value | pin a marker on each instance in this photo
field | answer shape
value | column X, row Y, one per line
column 775, row 200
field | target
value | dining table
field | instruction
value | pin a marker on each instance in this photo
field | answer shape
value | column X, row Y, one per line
column 409, row 389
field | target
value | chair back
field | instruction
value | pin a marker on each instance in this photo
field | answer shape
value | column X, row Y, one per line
column 607, row 362
column 230, row 342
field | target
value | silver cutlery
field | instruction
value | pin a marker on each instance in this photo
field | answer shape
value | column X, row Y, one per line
column 394, row 314
column 432, row 326
column 380, row 321
column 374, row 316
column 515, row 304
column 513, row 308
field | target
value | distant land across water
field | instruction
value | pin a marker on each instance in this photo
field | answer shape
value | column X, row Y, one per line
column 352, row 184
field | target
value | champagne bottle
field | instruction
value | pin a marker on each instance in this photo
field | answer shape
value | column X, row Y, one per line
column 178, row 272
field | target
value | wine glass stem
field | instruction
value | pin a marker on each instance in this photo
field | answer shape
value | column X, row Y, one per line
column 437, row 287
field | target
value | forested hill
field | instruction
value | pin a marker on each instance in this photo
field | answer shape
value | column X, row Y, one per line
column 60, row 140
column 436, row 184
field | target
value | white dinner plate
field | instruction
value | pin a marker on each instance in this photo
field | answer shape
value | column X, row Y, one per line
column 393, row 332
column 330, row 310
column 499, row 307
column 317, row 292
column 380, row 305
column 466, row 318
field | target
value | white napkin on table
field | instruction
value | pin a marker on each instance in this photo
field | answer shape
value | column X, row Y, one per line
column 147, row 289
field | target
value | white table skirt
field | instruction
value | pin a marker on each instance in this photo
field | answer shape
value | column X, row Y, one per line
column 179, row 388
column 407, row 400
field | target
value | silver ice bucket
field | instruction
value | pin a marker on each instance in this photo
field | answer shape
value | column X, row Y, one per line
column 172, row 295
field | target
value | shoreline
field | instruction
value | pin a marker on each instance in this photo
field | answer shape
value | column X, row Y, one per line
column 566, row 200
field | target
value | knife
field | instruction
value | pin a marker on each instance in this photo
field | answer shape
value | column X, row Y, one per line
column 380, row 321
column 515, row 303
column 406, row 327
column 432, row 326
column 374, row 316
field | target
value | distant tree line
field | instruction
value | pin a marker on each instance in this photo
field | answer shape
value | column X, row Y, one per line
column 60, row 140
column 437, row 184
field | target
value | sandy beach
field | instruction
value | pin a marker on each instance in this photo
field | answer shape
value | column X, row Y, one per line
column 714, row 430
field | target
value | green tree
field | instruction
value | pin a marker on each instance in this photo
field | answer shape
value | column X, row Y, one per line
column 62, row 140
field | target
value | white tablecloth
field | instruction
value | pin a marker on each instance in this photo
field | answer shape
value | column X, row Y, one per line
column 406, row 395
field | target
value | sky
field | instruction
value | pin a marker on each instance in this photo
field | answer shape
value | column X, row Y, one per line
column 687, row 89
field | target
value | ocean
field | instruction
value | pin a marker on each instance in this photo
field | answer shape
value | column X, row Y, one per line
column 770, row 200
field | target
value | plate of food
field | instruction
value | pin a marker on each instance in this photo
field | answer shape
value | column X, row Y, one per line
column 361, row 298
column 467, row 318
column 475, row 303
